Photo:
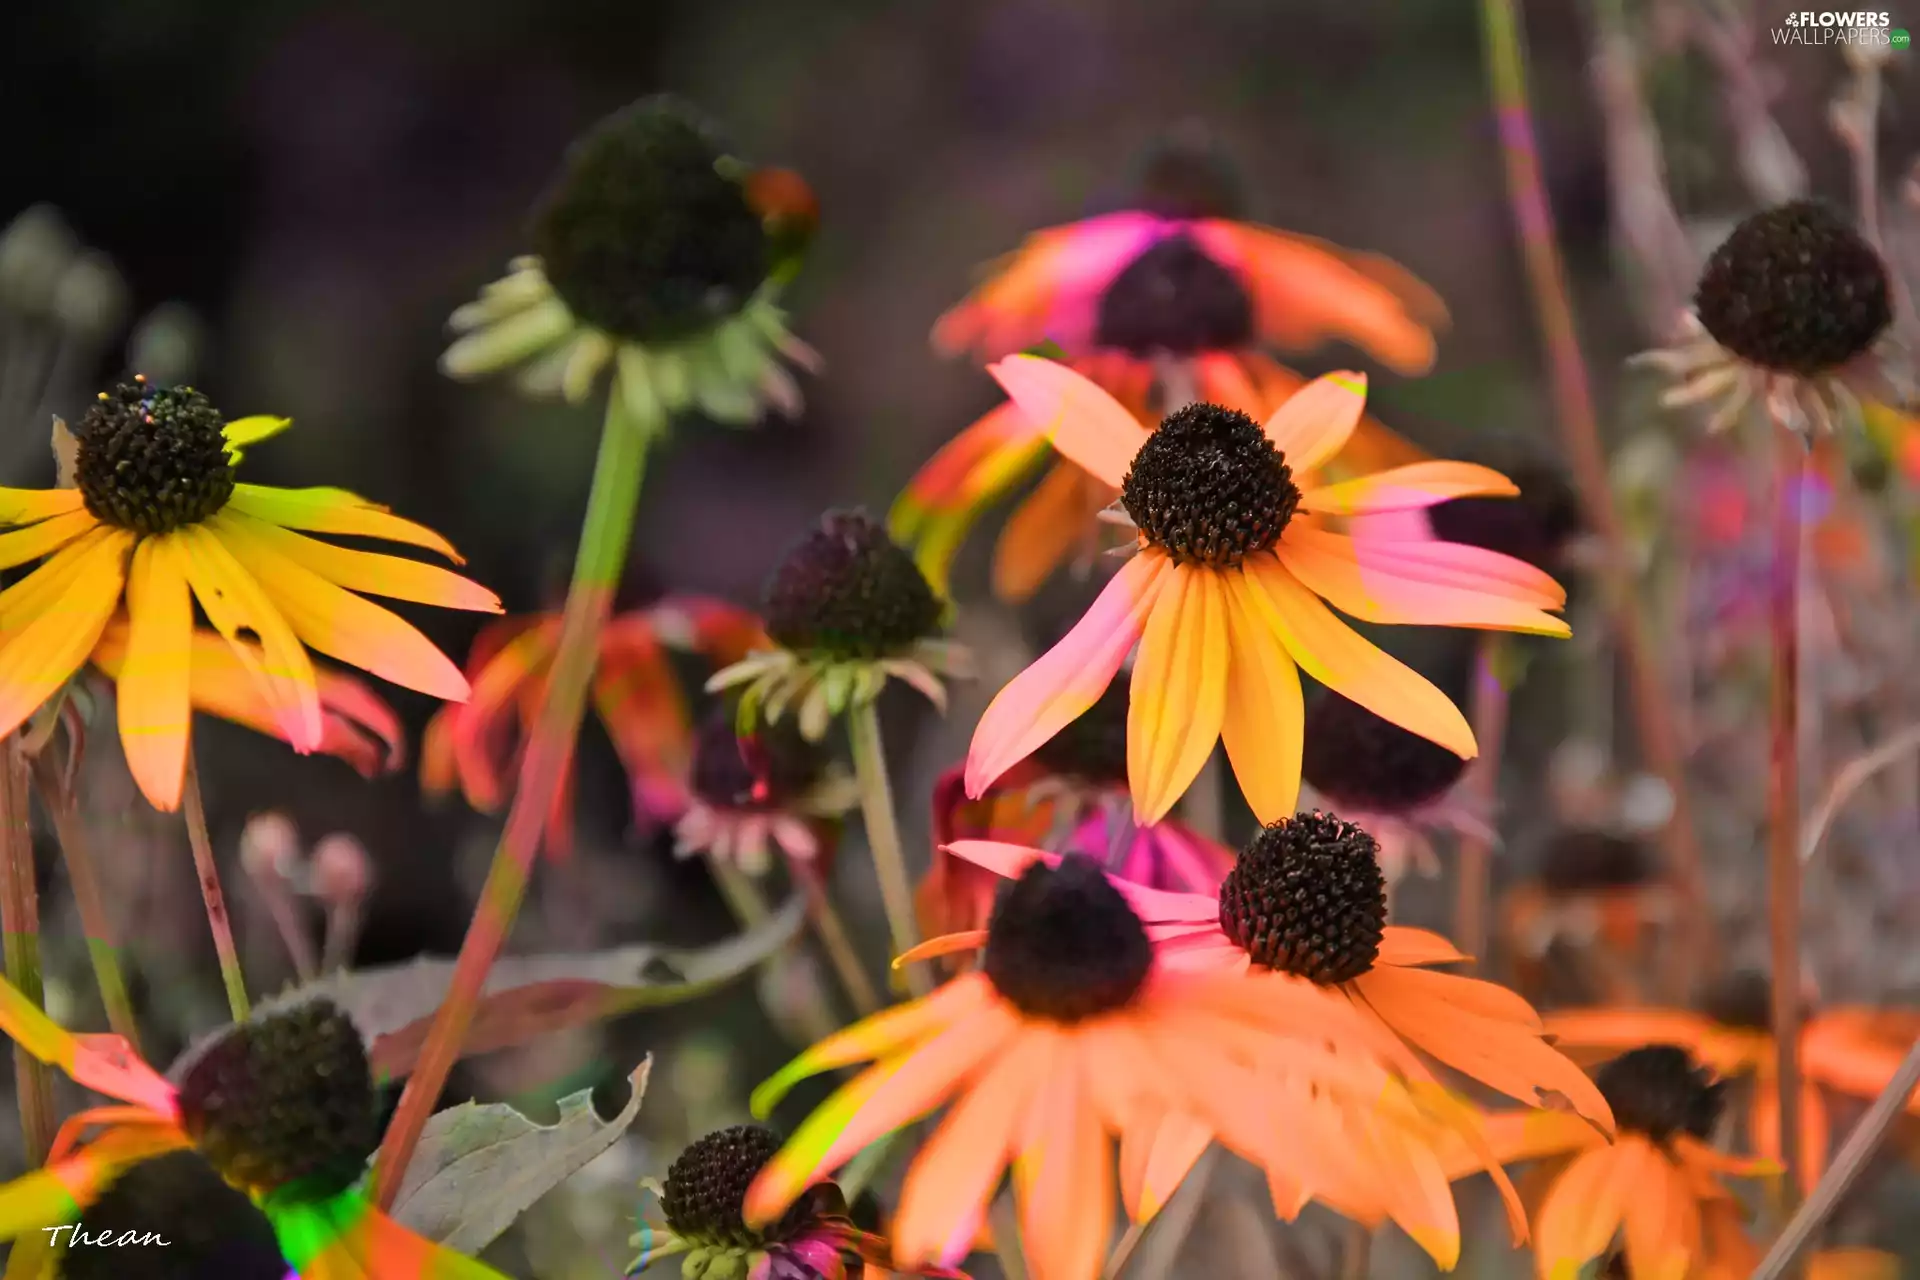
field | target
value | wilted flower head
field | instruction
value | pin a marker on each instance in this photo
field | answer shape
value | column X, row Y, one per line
column 747, row 795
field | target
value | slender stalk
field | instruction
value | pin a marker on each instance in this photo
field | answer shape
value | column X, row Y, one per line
column 20, row 921
column 1847, row 1166
column 1474, row 869
column 749, row 907
column 77, row 851
column 208, row 872
column 1573, row 397
column 883, row 836
column 834, row 940
column 1783, row 795
column 604, row 535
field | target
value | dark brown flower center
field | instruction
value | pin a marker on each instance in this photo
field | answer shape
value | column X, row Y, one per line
column 172, row 1218
column 152, row 459
column 1370, row 765
column 1174, row 300
column 765, row 771
column 848, row 590
column 707, row 1185
column 1580, row 860
column 1064, row 944
column 1742, row 999
column 1208, row 487
column 1307, row 897
column 1659, row 1092
column 1093, row 746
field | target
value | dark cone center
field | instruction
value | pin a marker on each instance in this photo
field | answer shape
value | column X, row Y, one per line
column 1188, row 177
column 1208, row 487
column 707, row 1185
column 1743, row 999
column 172, row 1218
column 1535, row 526
column 1659, row 1092
column 1370, row 765
column 152, row 459
column 285, row 1102
column 1307, row 897
column 1795, row 289
column 1174, row 300
column 642, row 235
column 847, row 590
column 1093, row 746
column 1579, row 860
column 1064, row 944
column 764, row 771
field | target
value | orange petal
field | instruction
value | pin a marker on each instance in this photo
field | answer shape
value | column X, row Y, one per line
column 1172, row 1147
column 379, row 575
column 1584, row 1209
column 1179, row 690
column 323, row 510
column 1408, row 488
column 1629, row 1028
column 1085, row 423
column 1401, row 945
column 154, row 687
column 41, row 651
column 1516, row 1136
column 1365, row 581
column 1042, row 532
column 1338, row 657
column 1315, row 422
column 1069, row 678
column 1063, row 1177
column 1662, row 1224
column 1264, row 720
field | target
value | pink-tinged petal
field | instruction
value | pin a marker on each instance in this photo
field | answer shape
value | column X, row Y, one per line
column 1179, row 690
column 1069, row 678
column 235, row 602
column 639, row 701
column 1086, row 424
column 24, row 506
column 154, row 688
column 1368, row 583
column 721, row 632
column 1416, row 485
column 76, row 593
column 378, row 575
column 104, row 1063
column 1265, row 720
column 999, row 857
column 1315, row 422
column 1455, row 564
column 1154, row 906
column 19, row 546
column 1063, row 1176
column 323, row 510
column 945, row 945
column 1334, row 654
column 1048, row 288
column 486, row 727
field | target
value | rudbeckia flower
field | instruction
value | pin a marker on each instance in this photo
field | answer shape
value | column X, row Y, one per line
column 656, row 256
column 1658, row 1183
column 1597, row 903
column 1839, row 1050
column 1787, row 316
column 1304, row 908
column 846, row 610
column 1070, row 1032
column 815, row 1239
column 748, row 796
column 477, row 744
column 1399, row 786
column 282, row 1107
column 1225, row 596
column 159, row 520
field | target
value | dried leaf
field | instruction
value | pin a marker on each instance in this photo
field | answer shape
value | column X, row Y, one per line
column 477, row 1168
column 530, row 996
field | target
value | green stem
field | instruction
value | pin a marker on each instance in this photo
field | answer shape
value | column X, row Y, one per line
column 94, row 918
column 20, row 921
column 208, row 872
column 883, row 836
column 604, row 535
column 750, row 908
column 835, row 941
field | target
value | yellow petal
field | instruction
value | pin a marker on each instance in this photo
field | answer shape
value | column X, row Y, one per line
column 236, row 603
column 1179, row 690
column 334, row 511
column 1313, row 423
column 40, row 652
column 242, row 432
column 1264, row 719
column 367, row 571
column 1339, row 657
column 155, row 684
column 19, row 546
column 1085, row 423
column 24, row 506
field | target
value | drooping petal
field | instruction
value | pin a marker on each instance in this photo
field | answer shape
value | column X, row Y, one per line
column 20, row 546
column 1069, row 678
column 41, row 651
column 639, row 701
column 154, row 687
column 1179, row 690
column 1363, row 581
column 235, row 602
column 242, row 432
column 1662, row 1224
column 1063, row 1177
column 1264, row 721
column 1412, row 487
column 1516, row 1136
column 342, row 625
column 1085, row 423
column 324, row 510
column 1338, row 657
column 1043, row 531
column 1154, row 906
column 58, row 1193
column 1047, row 288
column 1426, row 558
column 1167, row 1152
column 24, row 506
column 379, row 575
column 1584, row 1209
column 1314, row 423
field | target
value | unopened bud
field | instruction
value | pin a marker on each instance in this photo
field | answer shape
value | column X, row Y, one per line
column 269, row 846
column 341, row 872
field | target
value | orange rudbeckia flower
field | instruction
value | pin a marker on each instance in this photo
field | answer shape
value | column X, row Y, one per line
column 158, row 519
column 1843, row 1049
column 1068, row 1034
column 476, row 745
column 1226, row 596
column 284, row 1109
column 1658, row 1183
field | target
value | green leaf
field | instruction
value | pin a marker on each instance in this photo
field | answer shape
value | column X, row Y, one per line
column 531, row 996
column 478, row 1168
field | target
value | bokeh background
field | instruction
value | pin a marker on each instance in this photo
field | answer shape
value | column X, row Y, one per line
column 306, row 190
